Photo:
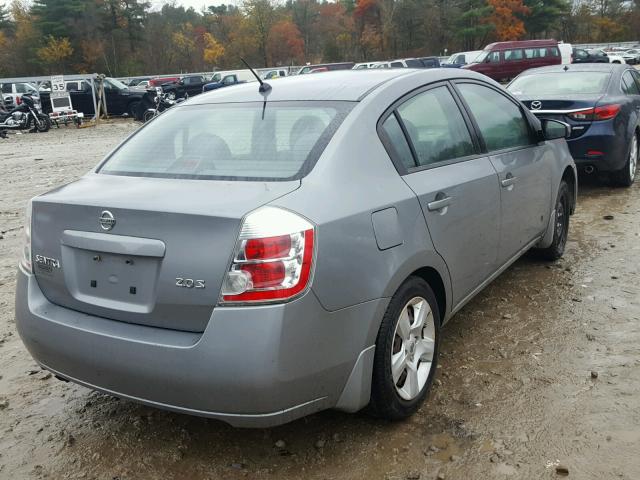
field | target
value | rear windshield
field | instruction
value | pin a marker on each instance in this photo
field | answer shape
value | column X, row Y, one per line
column 560, row 83
column 240, row 141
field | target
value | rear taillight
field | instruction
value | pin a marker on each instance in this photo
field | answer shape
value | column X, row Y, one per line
column 25, row 260
column 273, row 258
column 604, row 112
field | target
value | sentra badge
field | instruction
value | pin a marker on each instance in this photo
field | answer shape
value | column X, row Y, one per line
column 47, row 263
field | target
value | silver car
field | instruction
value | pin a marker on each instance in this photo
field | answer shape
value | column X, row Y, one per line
column 257, row 255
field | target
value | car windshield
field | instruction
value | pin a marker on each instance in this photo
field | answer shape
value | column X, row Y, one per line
column 480, row 58
column 238, row 141
column 560, row 83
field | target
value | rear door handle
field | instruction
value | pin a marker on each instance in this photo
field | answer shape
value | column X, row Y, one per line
column 439, row 204
column 508, row 181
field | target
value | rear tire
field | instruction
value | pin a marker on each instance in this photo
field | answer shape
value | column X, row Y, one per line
column 626, row 176
column 406, row 354
column 560, row 227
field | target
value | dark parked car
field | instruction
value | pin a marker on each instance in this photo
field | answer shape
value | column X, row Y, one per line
column 190, row 85
column 430, row 62
column 226, row 81
column 580, row 55
column 120, row 99
column 506, row 60
column 601, row 102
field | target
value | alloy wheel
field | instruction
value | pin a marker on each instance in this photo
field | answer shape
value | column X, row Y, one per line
column 413, row 348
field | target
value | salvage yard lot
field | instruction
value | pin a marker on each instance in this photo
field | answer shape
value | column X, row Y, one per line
column 540, row 371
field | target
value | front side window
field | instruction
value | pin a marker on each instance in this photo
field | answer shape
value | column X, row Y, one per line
column 231, row 141
column 435, row 126
column 397, row 64
column 6, row 88
column 494, row 57
column 500, row 120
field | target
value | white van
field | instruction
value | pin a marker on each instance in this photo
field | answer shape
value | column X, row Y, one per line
column 566, row 52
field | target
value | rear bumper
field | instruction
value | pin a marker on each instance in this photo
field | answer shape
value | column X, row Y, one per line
column 251, row 367
column 600, row 137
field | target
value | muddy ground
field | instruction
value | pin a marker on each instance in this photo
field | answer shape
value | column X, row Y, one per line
column 514, row 396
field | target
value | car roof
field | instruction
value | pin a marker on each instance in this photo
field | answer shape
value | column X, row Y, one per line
column 341, row 85
column 522, row 44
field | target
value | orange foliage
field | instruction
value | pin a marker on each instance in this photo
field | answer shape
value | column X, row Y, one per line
column 508, row 26
column 285, row 44
column 363, row 7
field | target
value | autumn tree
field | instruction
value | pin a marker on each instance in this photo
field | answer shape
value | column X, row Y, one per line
column 213, row 50
column 506, row 18
column 262, row 16
column 285, row 44
column 55, row 52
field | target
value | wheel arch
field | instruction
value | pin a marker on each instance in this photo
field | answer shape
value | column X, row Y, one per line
column 435, row 281
column 569, row 175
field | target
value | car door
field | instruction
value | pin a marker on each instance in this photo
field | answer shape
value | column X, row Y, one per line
column 457, row 187
column 514, row 62
column 523, row 165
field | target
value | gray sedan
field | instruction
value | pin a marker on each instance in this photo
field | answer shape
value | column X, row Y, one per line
column 257, row 256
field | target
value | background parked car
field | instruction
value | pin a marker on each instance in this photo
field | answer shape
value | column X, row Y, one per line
column 632, row 56
column 188, row 85
column 457, row 60
column 274, row 74
column 429, row 62
column 616, row 57
column 120, row 99
column 329, row 66
column 157, row 81
column 226, row 81
column 566, row 52
column 11, row 93
column 506, row 60
column 580, row 55
column 601, row 102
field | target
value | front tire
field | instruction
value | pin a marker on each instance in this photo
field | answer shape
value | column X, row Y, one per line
column 626, row 176
column 406, row 351
column 560, row 227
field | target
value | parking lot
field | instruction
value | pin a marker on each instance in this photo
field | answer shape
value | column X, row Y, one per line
column 539, row 374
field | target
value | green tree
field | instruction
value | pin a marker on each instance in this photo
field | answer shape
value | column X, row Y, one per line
column 472, row 27
column 545, row 17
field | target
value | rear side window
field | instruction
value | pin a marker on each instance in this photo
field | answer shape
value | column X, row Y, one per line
column 436, row 127
column 231, row 141
column 395, row 136
column 629, row 85
column 396, row 64
column 500, row 120
column 511, row 55
column 6, row 88
column 494, row 57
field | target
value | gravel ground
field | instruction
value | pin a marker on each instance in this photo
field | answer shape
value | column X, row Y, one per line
column 539, row 375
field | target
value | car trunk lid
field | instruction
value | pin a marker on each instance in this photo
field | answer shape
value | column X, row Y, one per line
column 558, row 107
column 149, row 251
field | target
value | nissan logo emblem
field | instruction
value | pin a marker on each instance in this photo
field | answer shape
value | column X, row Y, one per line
column 107, row 220
column 536, row 104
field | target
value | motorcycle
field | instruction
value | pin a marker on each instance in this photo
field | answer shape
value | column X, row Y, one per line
column 24, row 117
column 155, row 103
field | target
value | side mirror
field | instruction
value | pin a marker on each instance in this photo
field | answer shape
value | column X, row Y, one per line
column 181, row 82
column 487, row 60
column 554, row 129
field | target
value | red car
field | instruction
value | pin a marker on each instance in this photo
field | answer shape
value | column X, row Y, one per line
column 506, row 60
column 156, row 82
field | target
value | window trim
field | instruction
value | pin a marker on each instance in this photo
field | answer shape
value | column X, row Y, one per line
column 391, row 150
column 521, row 108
